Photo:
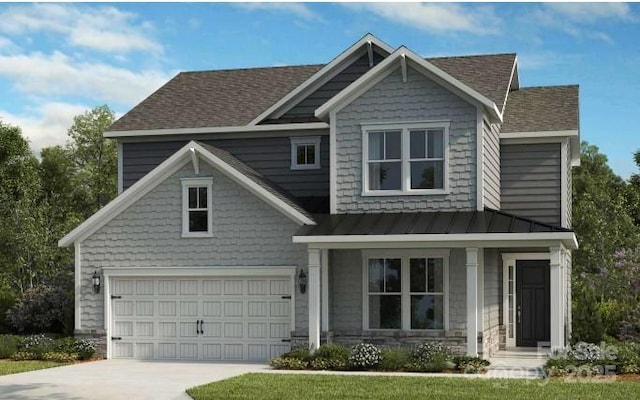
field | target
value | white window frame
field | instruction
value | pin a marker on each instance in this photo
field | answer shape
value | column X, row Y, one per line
column 405, row 128
column 405, row 291
column 191, row 183
column 305, row 141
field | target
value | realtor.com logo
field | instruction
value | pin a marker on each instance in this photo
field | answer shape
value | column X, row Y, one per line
column 578, row 363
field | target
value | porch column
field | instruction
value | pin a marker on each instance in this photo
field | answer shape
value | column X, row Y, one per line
column 556, row 282
column 324, row 272
column 472, row 301
column 314, row 298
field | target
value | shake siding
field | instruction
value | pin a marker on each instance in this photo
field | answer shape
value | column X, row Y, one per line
column 391, row 100
column 491, row 147
column 569, row 216
column 269, row 156
column 148, row 234
column 530, row 181
column 307, row 107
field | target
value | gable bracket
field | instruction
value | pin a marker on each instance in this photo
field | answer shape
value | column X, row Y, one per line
column 403, row 65
column 370, row 51
column 195, row 161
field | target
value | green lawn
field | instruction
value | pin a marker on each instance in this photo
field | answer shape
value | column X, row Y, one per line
column 310, row 387
column 13, row 367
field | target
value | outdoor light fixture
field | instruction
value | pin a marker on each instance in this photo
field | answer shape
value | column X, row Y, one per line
column 302, row 281
column 96, row 282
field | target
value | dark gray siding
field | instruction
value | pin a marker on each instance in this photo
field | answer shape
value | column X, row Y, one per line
column 530, row 181
column 269, row 156
column 307, row 107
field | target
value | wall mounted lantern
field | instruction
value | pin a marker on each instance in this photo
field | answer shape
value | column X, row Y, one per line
column 302, row 281
column 96, row 282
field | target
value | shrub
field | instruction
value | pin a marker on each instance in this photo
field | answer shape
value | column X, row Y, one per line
column 470, row 365
column 630, row 326
column 84, row 348
column 41, row 309
column 37, row 345
column 288, row 363
column 25, row 355
column 629, row 358
column 586, row 320
column 582, row 351
column 431, row 351
column 330, row 356
column 394, row 360
column 299, row 353
column 60, row 357
column 9, row 345
column 364, row 356
column 7, row 301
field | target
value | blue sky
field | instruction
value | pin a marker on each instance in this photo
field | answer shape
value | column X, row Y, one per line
column 57, row 60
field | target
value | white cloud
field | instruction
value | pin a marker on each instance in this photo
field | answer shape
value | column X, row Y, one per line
column 59, row 75
column 298, row 9
column 437, row 17
column 105, row 29
column 592, row 12
column 47, row 124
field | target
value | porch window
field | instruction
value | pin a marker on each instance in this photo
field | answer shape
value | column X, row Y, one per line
column 406, row 292
column 401, row 159
column 197, row 220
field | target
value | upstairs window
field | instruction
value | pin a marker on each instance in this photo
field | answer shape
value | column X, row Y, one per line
column 405, row 159
column 197, row 218
column 305, row 153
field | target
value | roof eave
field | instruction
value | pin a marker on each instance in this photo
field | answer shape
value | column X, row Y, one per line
column 217, row 129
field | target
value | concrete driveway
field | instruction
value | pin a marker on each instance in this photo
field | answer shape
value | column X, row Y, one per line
column 118, row 379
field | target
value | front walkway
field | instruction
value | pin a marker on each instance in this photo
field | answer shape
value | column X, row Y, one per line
column 118, row 379
column 518, row 363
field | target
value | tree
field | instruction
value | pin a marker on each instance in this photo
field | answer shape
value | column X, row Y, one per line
column 95, row 157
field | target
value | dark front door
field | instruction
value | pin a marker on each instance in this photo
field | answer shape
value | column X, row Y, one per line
column 533, row 312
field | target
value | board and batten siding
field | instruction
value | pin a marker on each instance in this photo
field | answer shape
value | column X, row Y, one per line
column 246, row 232
column 391, row 100
column 270, row 156
column 491, row 163
column 307, row 106
column 530, row 181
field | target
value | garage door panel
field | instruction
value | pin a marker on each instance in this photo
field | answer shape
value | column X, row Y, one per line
column 144, row 329
column 144, row 308
column 211, row 308
column 159, row 318
column 212, row 329
column 233, row 287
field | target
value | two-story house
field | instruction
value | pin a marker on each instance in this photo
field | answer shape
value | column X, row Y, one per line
column 382, row 197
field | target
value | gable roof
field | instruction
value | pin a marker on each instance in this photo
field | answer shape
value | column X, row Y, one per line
column 221, row 160
column 540, row 109
column 214, row 98
column 225, row 98
column 401, row 56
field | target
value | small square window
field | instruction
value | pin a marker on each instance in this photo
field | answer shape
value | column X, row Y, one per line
column 305, row 153
column 196, row 207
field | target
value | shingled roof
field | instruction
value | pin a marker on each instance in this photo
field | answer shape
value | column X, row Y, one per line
column 235, row 97
column 539, row 109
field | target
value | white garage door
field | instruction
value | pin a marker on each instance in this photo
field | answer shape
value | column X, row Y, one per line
column 225, row 319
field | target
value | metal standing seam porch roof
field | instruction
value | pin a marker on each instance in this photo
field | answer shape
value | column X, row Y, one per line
column 455, row 222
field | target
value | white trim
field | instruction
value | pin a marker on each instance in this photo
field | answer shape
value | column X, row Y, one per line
column 387, row 66
column 313, row 256
column 324, row 272
column 405, row 156
column 217, row 129
column 405, row 291
column 513, row 73
column 511, row 259
column 479, row 159
column 188, row 183
column 539, row 134
column 557, row 302
column 452, row 240
column 305, row 141
column 109, row 273
column 324, row 75
column 333, row 165
column 120, row 167
column 167, row 168
column 403, row 67
column 77, row 272
column 564, row 184
column 195, row 161
column 472, row 300
column 480, row 294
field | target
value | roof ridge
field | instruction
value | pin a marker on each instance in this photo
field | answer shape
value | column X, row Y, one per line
column 548, row 86
column 472, row 56
column 251, row 68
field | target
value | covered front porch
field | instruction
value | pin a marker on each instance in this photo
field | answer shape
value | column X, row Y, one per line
column 478, row 292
